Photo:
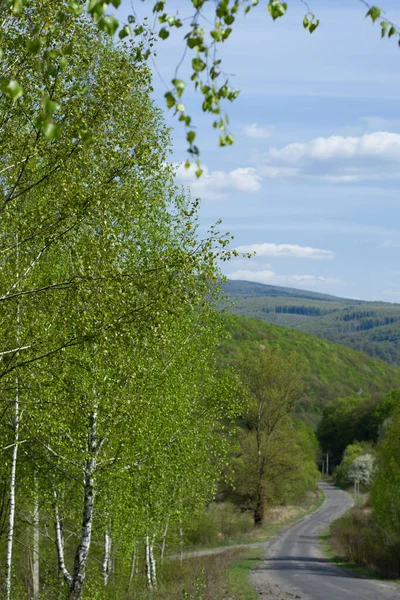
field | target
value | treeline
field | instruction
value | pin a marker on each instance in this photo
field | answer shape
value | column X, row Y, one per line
column 309, row 311
column 361, row 435
column 365, row 323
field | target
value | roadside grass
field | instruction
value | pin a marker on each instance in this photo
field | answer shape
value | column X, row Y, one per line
column 279, row 518
column 238, row 574
column 224, row 575
column 349, row 567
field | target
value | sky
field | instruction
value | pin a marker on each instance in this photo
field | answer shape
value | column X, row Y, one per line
column 312, row 181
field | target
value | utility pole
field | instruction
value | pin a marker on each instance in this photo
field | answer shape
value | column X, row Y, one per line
column 327, row 462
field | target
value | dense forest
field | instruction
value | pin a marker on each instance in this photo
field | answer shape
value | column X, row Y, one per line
column 329, row 371
column 371, row 327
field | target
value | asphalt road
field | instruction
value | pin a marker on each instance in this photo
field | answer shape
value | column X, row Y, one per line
column 294, row 566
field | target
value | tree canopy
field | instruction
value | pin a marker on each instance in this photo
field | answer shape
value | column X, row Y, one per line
column 210, row 25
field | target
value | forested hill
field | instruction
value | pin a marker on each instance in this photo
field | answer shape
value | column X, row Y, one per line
column 371, row 327
column 330, row 370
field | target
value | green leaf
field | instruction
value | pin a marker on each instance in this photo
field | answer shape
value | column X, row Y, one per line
column 51, row 131
column 163, row 33
column 49, row 106
column 34, row 45
column 392, row 31
column 198, row 64
column 75, row 8
column 179, row 85
column 306, row 22
column 116, row 3
column 63, row 62
column 68, row 49
column 276, row 8
column 17, row 6
column 14, row 89
column 313, row 26
column 125, row 31
column 109, row 25
column 170, row 99
column 374, row 12
column 191, row 136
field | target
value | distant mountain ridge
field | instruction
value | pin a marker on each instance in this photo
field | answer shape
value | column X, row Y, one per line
column 371, row 327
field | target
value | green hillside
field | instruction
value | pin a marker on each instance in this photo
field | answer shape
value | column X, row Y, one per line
column 372, row 327
column 330, row 370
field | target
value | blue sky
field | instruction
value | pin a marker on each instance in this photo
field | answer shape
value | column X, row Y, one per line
column 312, row 182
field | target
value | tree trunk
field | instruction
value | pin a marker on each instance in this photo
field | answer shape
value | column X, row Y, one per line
column 79, row 573
column 148, row 564
column 106, row 566
column 181, row 544
column 11, row 515
column 164, row 538
column 259, row 508
column 133, row 566
column 153, row 564
column 36, row 542
column 62, row 569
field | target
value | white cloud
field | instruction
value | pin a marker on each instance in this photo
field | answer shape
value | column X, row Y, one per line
column 336, row 159
column 272, row 278
column 256, row 132
column 216, row 185
column 287, row 251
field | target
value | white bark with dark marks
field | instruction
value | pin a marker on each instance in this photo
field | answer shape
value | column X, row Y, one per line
column 36, row 542
column 11, row 514
column 62, row 569
column 106, row 565
column 82, row 553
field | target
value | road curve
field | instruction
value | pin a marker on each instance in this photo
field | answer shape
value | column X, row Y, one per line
column 294, row 566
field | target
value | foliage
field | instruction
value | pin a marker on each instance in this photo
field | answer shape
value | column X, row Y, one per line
column 275, row 461
column 385, row 488
column 351, row 419
column 352, row 452
column 219, row 522
column 202, row 37
column 370, row 327
column 329, row 371
column 358, row 538
column 106, row 289
column 362, row 470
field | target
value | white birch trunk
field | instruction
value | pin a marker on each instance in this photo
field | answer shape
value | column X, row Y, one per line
column 164, row 539
column 181, row 543
column 153, row 566
column 106, row 565
column 81, row 556
column 36, row 542
column 133, row 565
column 148, row 564
column 13, row 473
column 62, row 569
column 11, row 515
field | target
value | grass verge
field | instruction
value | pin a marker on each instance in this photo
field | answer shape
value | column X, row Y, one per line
column 238, row 574
column 269, row 529
column 351, row 568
